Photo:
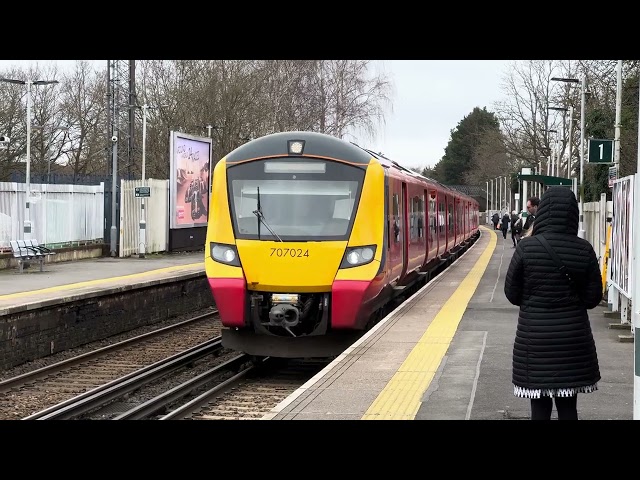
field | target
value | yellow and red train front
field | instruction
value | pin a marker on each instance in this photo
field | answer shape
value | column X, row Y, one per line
column 289, row 229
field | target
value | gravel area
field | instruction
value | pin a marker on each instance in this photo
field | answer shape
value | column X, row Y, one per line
column 60, row 356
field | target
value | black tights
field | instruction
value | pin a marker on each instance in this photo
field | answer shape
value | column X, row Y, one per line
column 567, row 408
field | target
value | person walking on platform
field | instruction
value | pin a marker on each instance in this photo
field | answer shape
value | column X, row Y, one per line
column 504, row 225
column 554, row 353
column 515, row 233
column 495, row 219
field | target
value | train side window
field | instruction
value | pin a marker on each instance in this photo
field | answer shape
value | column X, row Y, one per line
column 441, row 223
column 416, row 218
column 396, row 218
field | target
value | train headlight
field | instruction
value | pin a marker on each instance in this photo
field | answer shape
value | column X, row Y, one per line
column 356, row 256
column 226, row 254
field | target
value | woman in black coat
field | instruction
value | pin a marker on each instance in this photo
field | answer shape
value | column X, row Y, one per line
column 554, row 354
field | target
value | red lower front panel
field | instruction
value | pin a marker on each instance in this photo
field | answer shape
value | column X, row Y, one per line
column 347, row 300
column 229, row 295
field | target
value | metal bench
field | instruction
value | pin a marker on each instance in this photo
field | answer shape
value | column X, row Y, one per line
column 24, row 254
column 40, row 248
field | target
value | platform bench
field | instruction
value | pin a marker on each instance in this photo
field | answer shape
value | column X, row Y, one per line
column 24, row 253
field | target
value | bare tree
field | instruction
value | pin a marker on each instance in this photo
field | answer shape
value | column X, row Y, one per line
column 83, row 107
column 524, row 117
column 13, row 120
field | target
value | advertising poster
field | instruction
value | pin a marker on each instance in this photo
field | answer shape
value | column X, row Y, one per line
column 190, row 180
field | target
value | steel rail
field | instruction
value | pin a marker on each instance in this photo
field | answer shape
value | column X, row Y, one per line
column 9, row 383
column 148, row 408
column 105, row 393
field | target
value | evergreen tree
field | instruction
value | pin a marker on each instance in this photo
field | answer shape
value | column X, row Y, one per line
column 465, row 139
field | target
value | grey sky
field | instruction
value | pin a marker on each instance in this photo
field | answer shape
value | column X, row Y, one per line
column 430, row 97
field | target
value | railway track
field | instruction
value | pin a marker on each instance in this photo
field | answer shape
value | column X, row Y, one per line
column 251, row 393
column 103, row 395
column 34, row 391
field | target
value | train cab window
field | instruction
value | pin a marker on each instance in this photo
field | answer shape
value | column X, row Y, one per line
column 396, row 219
column 297, row 200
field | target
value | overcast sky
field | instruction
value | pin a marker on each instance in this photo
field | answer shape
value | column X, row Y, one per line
column 429, row 98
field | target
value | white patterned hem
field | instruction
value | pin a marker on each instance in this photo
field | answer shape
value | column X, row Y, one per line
column 552, row 392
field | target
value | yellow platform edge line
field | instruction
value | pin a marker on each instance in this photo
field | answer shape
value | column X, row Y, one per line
column 400, row 398
column 132, row 276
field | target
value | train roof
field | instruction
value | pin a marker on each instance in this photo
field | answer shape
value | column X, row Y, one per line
column 313, row 143
column 388, row 163
column 319, row 145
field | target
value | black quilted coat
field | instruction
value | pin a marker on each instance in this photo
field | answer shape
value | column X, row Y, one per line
column 554, row 346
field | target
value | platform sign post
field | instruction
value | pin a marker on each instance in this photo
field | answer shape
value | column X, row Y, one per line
column 613, row 175
column 143, row 192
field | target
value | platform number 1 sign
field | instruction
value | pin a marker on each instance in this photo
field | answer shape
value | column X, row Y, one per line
column 600, row 151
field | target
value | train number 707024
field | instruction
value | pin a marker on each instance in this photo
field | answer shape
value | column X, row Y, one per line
column 289, row 252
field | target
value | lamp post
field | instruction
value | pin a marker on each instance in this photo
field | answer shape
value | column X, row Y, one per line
column 28, row 83
column 487, row 209
column 565, row 110
column 142, row 240
column 583, row 88
column 550, row 162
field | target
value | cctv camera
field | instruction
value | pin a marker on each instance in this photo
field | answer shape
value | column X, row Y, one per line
column 114, row 139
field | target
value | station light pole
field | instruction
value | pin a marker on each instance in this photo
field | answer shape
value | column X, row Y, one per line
column 549, row 158
column 28, row 83
column 142, row 236
column 583, row 88
column 565, row 110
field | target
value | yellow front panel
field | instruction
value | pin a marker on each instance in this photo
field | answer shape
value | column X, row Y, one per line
column 219, row 229
column 290, row 266
column 368, row 228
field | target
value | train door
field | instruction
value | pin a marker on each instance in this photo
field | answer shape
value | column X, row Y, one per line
column 395, row 231
column 450, row 223
column 432, row 225
column 459, row 220
column 405, row 221
column 417, row 251
column 442, row 223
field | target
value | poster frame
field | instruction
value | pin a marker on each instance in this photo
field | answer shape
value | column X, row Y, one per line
column 173, row 185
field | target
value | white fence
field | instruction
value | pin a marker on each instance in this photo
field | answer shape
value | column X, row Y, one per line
column 595, row 224
column 58, row 213
column 156, row 218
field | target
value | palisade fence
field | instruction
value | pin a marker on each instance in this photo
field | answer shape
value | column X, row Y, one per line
column 60, row 215
column 620, row 275
column 156, row 218
column 597, row 217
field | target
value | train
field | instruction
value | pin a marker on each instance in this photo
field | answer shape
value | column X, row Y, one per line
column 310, row 237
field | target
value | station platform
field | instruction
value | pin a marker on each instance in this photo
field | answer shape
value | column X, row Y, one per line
column 446, row 354
column 63, row 282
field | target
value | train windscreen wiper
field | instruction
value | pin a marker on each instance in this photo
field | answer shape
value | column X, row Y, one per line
column 258, row 213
